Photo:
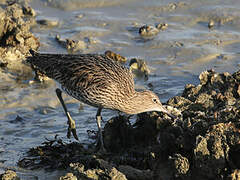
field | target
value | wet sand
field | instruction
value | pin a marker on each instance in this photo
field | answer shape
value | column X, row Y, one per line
column 175, row 56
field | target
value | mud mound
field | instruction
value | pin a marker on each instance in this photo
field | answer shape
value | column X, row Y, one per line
column 15, row 36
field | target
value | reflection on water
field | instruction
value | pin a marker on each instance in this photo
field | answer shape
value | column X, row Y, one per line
column 175, row 56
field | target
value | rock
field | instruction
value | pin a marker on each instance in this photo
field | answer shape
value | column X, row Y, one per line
column 115, row 56
column 236, row 76
column 191, row 91
column 71, row 45
column 9, row 175
column 139, row 68
column 211, row 24
column 162, row 26
column 48, row 22
column 180, row 102
column 68, row 176
column 74, row 46
column 203, row 77
column 147, row 30
column 62, row 42
column 104, row 171
column 79, row 16
column 133, row 173
column 117, row 134
column 16, row 39
column 235, row 175
column 211, row 152
column 204, row 101
column 180, row 165
column 116, row 175
column 27, row 10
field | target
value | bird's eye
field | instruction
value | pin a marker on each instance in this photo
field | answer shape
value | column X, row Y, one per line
column 155, row 100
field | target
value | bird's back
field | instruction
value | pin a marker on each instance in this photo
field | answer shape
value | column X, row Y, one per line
column 92, row 78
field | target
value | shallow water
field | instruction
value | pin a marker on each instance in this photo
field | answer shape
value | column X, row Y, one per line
column 175, row 57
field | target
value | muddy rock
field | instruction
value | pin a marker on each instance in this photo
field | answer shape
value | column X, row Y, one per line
column 190, row 91
column 16, row 38
column 215, row 85
column 71, row 45
column 9, row 175
column 209, row 112
column 203, row 102
column 117, row 134
column 68, row 176
column 139, row 68
column 74, row 46
column 162, row 26
column 148, row 30
column 115, row 56
column 211, row 154
column 120, row 134
column 27, row 10
column 48, row 22
column 180, row 102
column 235, row 175
column 180, row 165
column 100, row 170
column 217, row 146
column 211, row 24
column 133, row 173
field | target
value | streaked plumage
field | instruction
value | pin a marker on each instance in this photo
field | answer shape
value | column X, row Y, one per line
column 98, row 81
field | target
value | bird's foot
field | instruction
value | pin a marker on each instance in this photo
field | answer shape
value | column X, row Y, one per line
column 71, row 127
column 72, row 131
column 102, row 150
column 99, row 144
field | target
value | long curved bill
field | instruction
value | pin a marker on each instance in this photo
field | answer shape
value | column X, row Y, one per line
column 164, row 110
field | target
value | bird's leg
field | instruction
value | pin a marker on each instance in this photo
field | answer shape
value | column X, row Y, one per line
column 100, row 137
column 71, row 122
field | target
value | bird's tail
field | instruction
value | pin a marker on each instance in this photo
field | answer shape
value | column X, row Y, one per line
column 42, row 63
column 32, row 52
column 30, row 59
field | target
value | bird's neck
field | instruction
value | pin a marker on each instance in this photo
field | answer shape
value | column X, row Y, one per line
column 133, row 105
